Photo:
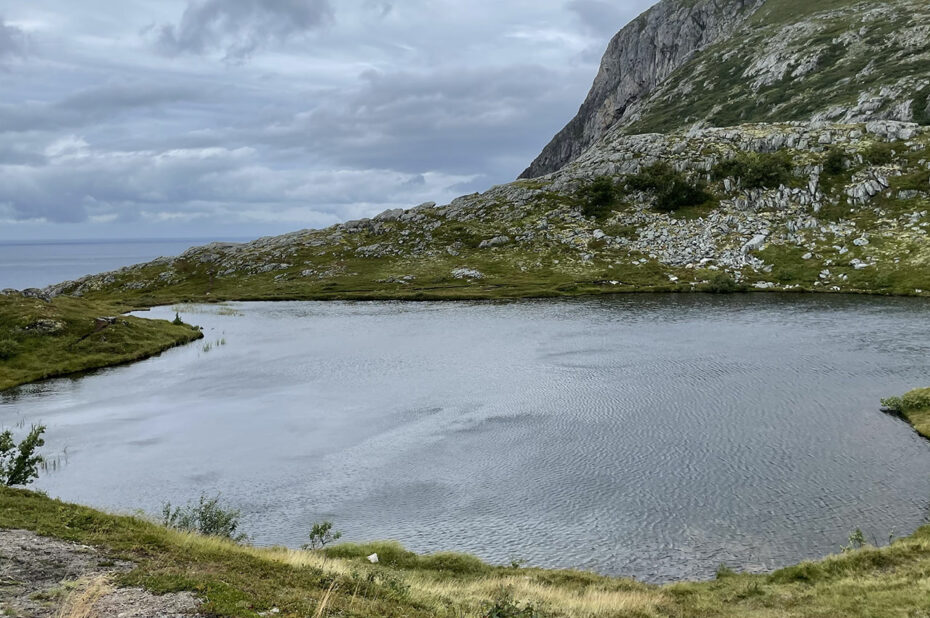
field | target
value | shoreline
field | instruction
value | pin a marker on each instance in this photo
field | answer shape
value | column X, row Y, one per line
column 142, row 305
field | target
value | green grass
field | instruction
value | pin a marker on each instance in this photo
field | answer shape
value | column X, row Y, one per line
column 236, row 580
column 40, row 339
column 915, row 408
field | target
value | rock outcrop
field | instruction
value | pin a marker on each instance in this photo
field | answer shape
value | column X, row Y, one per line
column 638, row 58
column 687, row 64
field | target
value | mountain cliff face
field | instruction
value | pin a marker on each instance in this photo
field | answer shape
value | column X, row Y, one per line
column 639, row 58
column 685, row 64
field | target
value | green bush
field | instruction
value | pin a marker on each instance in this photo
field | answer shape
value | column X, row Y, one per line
column 598, row 198
column 19, row 464
column 321, row 535
column 879, row 153
column 909, row 402
column 207, row 517
column 8, row 348
column 835, row 162
column 722, row 283
column 504, row 606
column 671, row 188
column 756, row 170
column 922, row 106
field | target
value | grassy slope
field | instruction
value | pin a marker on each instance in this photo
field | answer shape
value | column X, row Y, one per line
column 241, row 581
column 46, row 339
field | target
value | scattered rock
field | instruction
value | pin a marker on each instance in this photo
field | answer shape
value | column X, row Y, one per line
column 467, row 273
column 497, row 241
column 34, row 569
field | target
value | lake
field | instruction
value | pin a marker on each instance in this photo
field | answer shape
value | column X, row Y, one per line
column 647, row 436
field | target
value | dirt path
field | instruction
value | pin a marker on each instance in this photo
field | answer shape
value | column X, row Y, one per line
column 48, row 578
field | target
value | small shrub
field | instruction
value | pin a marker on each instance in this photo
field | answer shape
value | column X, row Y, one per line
column 504, row 606
column 8, row 348
column 671, row 188
column 724, row 571
column 856, row 540
column 722, row 283
column 19, row 464
column 835, row 162
column 322, row 534
column 894, row 404
column 599, row 197
column 921, row 106
column 177, row 321
column 909, row 402
column 756, row 170
column 206, row 517
column 879, row 153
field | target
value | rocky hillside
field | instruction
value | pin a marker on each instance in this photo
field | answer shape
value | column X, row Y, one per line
column 827, row 189
column 638, row 59
column 687, row 63
column 792, row 206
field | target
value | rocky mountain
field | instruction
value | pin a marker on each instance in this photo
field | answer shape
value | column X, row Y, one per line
column 686, row 64
column 638, row 59
column 779, row 145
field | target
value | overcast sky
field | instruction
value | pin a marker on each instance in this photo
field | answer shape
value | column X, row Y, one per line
column 238, row 118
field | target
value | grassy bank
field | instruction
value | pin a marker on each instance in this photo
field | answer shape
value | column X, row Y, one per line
column 914, row 407
column 235, row 580
column 40, row 339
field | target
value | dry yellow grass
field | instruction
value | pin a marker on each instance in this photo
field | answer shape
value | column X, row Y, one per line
column 82, row 600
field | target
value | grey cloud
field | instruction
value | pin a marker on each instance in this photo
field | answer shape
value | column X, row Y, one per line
column 394, row 104
column 382, row 8
column 239, row 27
column 12, row 40
column 601, row 17
column 456, row 121
column 93, row 105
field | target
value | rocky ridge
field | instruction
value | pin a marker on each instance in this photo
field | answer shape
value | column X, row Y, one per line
column 684, row 64
column 638, row 59
column 855, row 229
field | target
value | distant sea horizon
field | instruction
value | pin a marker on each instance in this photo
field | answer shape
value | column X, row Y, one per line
column 40, row 263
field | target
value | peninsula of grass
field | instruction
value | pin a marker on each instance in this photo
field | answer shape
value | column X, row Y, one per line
column 42, row 339
column 914, row 407
column 243, row 581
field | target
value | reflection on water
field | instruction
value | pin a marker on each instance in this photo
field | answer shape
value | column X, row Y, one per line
column 649, row 436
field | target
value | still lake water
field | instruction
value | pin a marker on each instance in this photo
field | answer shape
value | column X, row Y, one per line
column 647, row 436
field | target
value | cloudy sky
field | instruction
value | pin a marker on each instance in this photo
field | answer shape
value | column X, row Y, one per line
column 238, row 118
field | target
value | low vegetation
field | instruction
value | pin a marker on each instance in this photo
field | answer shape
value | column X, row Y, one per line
column 914, row 407
column 322, row 534
column 238, row 580
column 757, row 170
column 19, row 463
column 206, row 517
column 43, row 339
column 879, row 153
column 672, row 190
column 599, row 197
